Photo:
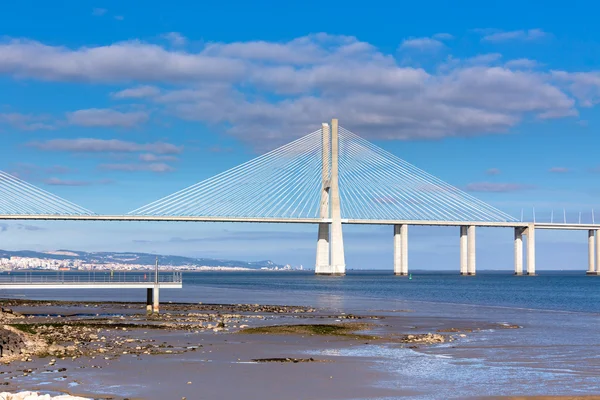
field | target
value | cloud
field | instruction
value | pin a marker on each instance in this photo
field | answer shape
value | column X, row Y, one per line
column 175, row 38
column 26, row 122
column 523, row 63
column 151, row 167
column 149, row 157
column 493, row 171
column 96, row 117
column 271, row 92
column 89, row 145
column 69, row 182
column 98, row 12
column 423, row 44
column 585, row 86
column 523, row 35
column 488, row 58
column 559, row 170
column 138, row 92
column 443, row 36
column 496, row 187
column 119, row 62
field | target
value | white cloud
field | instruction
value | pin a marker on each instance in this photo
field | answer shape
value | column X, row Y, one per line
column 96, row 117
column 175, row 38
column 530, row 34
column 91, row 145
column 26, row 122
column 98, row 12
column 119, row 62
column 443, row 36
column 521, row 63
column 137, row 92
column 279, row 90
column 151, row 167
column 423, row 44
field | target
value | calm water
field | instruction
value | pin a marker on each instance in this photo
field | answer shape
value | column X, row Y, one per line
column 556, row 352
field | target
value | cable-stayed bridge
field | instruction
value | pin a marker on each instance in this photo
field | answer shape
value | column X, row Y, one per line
column 329, row 177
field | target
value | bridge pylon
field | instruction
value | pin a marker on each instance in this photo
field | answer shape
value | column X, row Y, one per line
column 330, row 243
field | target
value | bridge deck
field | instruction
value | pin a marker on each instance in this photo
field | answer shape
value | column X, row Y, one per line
column 155, row 218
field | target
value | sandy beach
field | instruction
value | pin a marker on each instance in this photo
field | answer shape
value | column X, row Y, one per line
column 192, row 351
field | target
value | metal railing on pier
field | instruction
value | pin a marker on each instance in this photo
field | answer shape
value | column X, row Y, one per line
column 89, row 278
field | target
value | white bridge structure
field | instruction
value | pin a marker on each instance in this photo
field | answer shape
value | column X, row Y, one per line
column 330, row 178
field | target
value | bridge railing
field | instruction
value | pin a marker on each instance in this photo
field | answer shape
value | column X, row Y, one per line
column 90, row 278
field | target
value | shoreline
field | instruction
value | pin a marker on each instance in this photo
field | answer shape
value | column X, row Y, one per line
column 117, row 351
column 107, row 336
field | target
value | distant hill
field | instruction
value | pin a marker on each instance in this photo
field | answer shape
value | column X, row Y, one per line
column 135, row 258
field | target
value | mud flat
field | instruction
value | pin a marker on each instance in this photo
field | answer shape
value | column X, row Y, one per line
column 115, row 351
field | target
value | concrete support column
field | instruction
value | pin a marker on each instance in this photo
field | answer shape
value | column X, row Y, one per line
column 463, row 250
column 471, row 250
column 149, row 301
column 531, row 250
column 338, row 262
column 404, row 249
column 597, row 252
column 591, row 253
column 155, row 308
column 398, row 250
column 323, row 263
column 518, row 251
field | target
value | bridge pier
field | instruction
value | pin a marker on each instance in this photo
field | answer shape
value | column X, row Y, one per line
column 401, row 250
column 591, row 253
column 530, row 232
column 463, row 250
column 597, row 251
column 155, row 308
column 519, row 251
column 330, row 245
column 471, row 250
column 149, row 301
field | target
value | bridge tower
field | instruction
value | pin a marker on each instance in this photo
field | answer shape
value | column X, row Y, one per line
column 330, row 242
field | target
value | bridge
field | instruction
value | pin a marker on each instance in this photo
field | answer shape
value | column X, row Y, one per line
column 330, row 177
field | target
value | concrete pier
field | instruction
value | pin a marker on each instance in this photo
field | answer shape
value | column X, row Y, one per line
column 155, row 300
column 149, row 301
column 338, row 261
column 463, row 250
column 322, row 264
column 530, row 232
column 597, row 251
column 591, row 253
column 471, row 250
column 519, row 251
column 401, row 250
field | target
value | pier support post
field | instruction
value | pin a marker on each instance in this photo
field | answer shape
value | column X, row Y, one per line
column 149, row 301
column 530, row 250
column 398, row 270
column 155, row 308
column 401, row 250
column 471, row 250
column 597, row 252
column 322, row 265
column 463, row 250
column 518, row 251
column 591, row 253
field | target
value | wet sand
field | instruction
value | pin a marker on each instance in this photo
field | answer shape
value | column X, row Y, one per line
column 199, row 351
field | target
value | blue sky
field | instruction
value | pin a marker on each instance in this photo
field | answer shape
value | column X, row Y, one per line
column 115, row 104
